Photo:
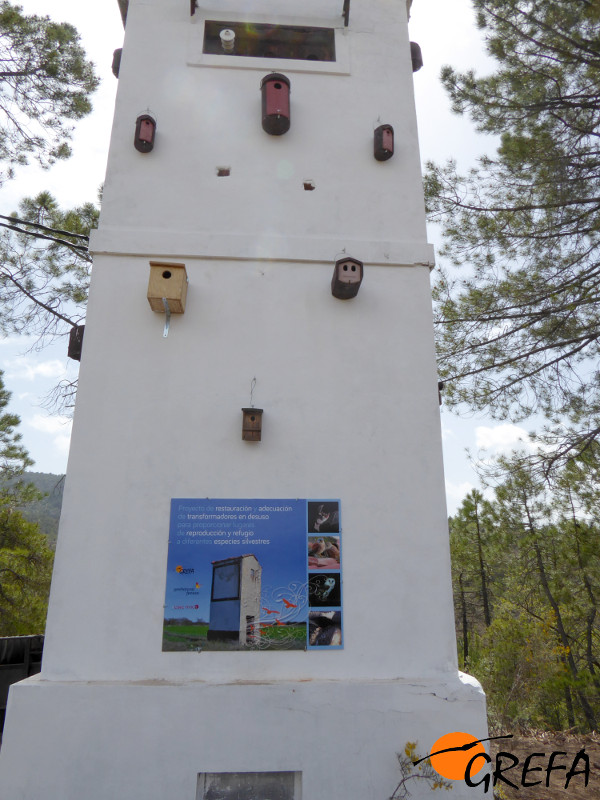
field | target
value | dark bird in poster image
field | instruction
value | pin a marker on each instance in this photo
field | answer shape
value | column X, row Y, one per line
column 324, row 589
column 323, row 517
column 325, row 628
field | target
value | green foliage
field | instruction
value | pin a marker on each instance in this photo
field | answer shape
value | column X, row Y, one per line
column 518, row 328
column 422, row 772
column 25, row 572
column 45, row 83
column 538, row 658
column 44, row 508
column 517, row 659
column 44, row 284
column 25, row 558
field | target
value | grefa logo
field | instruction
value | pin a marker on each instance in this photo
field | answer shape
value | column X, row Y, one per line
column 184, row 570
column 461, row 756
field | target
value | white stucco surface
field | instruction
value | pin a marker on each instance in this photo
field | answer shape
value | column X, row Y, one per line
column 349, row 392
column 150, row 741
column 350, row 411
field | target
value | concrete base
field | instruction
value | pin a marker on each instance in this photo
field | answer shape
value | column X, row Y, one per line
column 150, row 740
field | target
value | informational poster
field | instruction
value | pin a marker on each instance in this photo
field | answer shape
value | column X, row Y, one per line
column 253, row 575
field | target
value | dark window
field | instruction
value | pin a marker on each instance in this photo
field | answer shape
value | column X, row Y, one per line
column 248, row 785
column 270, row 41
column 226, row 582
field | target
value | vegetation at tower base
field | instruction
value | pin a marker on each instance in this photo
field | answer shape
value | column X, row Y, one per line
column 44, row 281
column 25, row 558
column 530, row 557
column 518, row 311
column 45, row 83
column 422, row 773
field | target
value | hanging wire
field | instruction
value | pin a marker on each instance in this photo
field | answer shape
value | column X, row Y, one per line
column 79, row 247
column 44, row 227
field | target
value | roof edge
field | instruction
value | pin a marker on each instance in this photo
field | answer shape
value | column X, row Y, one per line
column 124, row 5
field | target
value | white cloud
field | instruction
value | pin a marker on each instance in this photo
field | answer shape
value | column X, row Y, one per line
column 457, row 491
column 503, row 438
column 62, row 444
column 59, row 428
column 448, row 433
column 21, row 341
column 27, row 369
column 51, row 425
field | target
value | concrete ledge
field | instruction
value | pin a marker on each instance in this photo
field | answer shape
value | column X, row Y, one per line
column 68, row 741
column 184, row 244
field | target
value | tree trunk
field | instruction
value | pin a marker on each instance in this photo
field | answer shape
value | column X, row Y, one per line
column 585, row 705
column 484, row 589
column 465, row 634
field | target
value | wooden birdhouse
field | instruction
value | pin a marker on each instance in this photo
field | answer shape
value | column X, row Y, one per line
column 275, row 90
column 75, row 342
column 145, row 131
column 168, row 281
column 383, row 143
column 416, row 56
column 252, row 424
column 347, row 277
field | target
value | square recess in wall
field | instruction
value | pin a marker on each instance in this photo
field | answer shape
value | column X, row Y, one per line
column 258, row 40
column 291, row 44
column 249, row 785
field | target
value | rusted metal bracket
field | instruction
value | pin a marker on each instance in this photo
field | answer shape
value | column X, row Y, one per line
column 346, row 13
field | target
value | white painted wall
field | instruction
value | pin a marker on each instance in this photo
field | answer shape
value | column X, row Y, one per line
column 171, row 200
column 150, row 741
column 348, row 387
column 350, row 411
column 349, row 392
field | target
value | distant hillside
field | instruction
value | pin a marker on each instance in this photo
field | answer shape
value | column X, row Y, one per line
column 45, row 512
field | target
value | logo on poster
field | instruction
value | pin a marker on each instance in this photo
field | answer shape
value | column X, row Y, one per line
column 184, row 570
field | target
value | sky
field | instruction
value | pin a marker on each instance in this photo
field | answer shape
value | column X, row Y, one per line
column 447, row 35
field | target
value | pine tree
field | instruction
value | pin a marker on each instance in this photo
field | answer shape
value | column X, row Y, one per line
column 518, row 329
column 45, row 83
column 25, row 558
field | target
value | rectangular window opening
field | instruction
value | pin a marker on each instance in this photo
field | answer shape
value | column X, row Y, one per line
column 258, row 40
column 249, row 786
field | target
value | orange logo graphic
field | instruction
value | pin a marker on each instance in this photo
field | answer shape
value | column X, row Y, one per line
column 452, row 752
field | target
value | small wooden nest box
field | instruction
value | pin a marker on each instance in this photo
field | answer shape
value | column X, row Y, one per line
column 347, row 277
column 76, row 342
column 383, row 144
column 252, row 424
column 168, row 281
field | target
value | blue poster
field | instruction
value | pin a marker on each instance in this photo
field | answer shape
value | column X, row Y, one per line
column 253, row 575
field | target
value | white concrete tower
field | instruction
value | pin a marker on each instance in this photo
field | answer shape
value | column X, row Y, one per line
column 173, row 666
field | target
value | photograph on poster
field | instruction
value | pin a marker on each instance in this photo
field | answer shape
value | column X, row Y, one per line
column 237, row 575
column 323, row 552
column 324, row 590
column 325, row 628
column 323, row 516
